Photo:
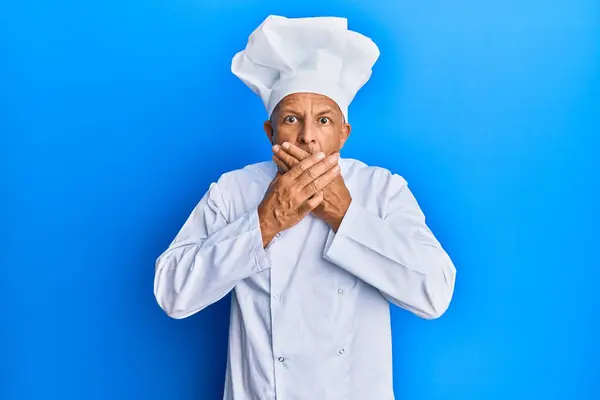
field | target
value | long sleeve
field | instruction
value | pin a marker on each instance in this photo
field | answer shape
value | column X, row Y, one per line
column 396, row 253
column 208, row 257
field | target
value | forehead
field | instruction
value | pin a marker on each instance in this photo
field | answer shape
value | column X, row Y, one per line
column 303, row 101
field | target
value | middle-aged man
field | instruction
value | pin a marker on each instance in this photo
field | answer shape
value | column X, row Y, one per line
column 315, row 246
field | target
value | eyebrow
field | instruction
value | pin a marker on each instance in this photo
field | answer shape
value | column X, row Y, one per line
column 328, row 110
column 289, row 109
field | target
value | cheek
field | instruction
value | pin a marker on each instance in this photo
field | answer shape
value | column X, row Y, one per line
column 330, row 138
column 286, row 133
column 286, row 130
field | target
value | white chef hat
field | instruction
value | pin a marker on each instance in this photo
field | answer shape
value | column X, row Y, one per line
column 313, row 55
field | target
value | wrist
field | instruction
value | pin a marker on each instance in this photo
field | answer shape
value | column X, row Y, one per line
column 267, row 237
column 336, row 222
column 266, row 230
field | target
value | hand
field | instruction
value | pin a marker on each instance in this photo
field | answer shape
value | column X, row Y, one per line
column 293, row 195
column 336, row 196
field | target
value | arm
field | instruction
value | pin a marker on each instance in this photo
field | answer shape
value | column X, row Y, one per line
column 396, row 254
column 208, row 257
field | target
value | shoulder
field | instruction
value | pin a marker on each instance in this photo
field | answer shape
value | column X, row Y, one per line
column 248, row 175
column 242, row 189
column 374, row 177
column 375, row 188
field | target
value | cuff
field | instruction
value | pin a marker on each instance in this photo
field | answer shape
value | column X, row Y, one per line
column 335, row 240
column 261, row 261
column 363, row 233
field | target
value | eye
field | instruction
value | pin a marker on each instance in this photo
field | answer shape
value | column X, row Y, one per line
column 290, row 119
column 324, row 121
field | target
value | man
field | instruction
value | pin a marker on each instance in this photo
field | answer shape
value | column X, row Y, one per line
column 314, row 246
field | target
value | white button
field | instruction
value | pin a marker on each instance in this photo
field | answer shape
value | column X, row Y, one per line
column 341, row 351
column 340, row 291
column 276, row 296
column 281, row 359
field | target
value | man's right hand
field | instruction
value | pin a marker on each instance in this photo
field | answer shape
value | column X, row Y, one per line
column 293, row 195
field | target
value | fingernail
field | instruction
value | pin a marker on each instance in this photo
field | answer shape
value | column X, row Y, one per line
column 276, row 148
column 286, row 145
column 333, row 157
column 320, row 155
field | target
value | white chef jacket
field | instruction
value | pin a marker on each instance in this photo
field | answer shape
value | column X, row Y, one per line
column 309, row 313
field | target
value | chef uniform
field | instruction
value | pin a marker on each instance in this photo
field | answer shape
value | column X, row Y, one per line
column 310, row 313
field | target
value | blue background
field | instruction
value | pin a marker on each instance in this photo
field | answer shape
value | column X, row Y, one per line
column 116, row 115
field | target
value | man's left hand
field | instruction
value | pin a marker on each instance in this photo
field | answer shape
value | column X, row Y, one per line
column 336, row 196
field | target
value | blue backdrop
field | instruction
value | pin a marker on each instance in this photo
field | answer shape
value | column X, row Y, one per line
column 116, row 115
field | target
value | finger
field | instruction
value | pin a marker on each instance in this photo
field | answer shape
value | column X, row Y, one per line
column 312, row 203
column 298, row 169
column 286, row 157
column 321, row 182
column 295, row 151
column 280, row 164
column 317, row 170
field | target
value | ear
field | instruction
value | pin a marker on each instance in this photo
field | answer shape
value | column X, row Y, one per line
column 345, row 134
column 269, row 131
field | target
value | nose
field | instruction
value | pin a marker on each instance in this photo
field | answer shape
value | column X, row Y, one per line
column 308, row 134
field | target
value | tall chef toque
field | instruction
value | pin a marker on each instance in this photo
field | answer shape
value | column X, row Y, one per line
column 305, row 55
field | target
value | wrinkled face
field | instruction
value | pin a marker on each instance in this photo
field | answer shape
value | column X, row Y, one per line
column 310, row 121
